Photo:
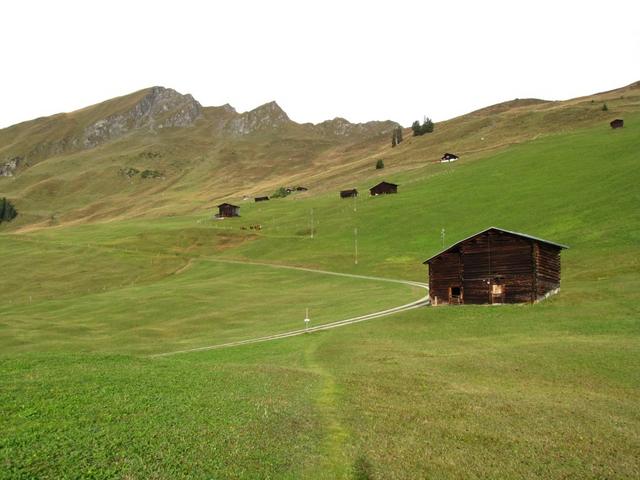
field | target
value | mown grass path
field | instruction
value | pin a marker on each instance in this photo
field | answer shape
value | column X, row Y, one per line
column 326, row 326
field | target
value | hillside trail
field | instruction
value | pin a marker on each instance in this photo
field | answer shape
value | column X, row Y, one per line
column 334, row 449
column 326, row 326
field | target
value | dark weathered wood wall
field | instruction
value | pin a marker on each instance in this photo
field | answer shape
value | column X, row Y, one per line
column 444, row 272
column 547, row 262
column 524, row 268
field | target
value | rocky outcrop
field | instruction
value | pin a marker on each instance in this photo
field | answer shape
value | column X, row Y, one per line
column 267, row 116
column 341, row 127
column 160, row 108
column 9, row 168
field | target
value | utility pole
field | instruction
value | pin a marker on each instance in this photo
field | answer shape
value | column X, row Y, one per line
column 312, row 223
column 355, row 234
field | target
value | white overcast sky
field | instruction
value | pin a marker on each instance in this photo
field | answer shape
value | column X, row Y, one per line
column 362, row 60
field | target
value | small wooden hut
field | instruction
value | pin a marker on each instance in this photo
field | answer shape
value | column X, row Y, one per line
column 226, row 210
column 383, row 188
column 261, row 199
column 495, row 266
column 349, row 193
column 617, row 123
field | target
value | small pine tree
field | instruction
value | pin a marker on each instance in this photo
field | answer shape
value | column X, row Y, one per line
column 379, row 164
column 7, row 211
column 394, row 142
column 427, row 126
column 415, row 126
column 605, row 108
column 399, row 134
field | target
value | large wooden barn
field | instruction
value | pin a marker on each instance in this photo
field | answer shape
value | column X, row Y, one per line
column 495, row 266
column 226, row 210
column 383, row 188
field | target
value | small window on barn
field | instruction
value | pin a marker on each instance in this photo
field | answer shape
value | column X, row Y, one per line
column 455, row 291
column 496, row 289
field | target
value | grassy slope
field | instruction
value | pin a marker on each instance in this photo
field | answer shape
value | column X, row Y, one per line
column 202, row 167
column 544, row 391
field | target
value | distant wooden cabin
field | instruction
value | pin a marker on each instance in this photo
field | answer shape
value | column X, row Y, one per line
column 226, row 210
column 349, row 193
column 449, row 157
column 495, row 266
column 383, row 188
column 261, row 199
column 617, row 123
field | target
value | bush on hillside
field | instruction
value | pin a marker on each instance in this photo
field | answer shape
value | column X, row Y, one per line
column 605, row 108
column 280, row 193
column 7, row 211
column 380, row 164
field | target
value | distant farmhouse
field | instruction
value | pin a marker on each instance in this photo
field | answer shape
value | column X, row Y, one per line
column 261, row 199
column 349, row 193
column 383, row 188
column 495, row 266
column 449, row 157
column 226, row 210
column 617, row 123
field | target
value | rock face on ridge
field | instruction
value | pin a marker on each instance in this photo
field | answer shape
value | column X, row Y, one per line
column 8, row 169
column 160, row 108
column 267, row 116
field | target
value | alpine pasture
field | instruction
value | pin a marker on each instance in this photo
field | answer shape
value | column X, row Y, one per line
column 549, row 390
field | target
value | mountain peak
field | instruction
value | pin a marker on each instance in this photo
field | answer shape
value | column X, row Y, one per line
column 267, row 116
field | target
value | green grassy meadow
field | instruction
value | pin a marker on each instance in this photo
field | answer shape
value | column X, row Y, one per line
column 550, row 390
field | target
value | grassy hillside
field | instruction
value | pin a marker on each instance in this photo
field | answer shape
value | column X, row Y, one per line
column 536, row 391
column 204, row 163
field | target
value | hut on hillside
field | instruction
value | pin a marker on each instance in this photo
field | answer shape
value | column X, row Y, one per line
column 261, row 199
column 449, row 157
column 226, row 210
column 349, row 193
column 495, row 266
column 617, row 123
column 383, row 188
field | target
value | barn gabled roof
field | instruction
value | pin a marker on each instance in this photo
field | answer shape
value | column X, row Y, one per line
column 384, row 183
column 227, row 204
column 517, row 234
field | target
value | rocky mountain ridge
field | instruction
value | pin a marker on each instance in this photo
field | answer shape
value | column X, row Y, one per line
column 152, row 111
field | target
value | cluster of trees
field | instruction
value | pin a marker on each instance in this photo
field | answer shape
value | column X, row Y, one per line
column 396, row 137
column 7, row 211
column 426, row 127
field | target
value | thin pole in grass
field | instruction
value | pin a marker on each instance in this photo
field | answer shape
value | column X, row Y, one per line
column 442, row 237
column 355, row 236
column 306, row 320
column 312, row 223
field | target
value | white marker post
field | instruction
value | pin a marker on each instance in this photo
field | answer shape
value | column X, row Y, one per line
column 306, row 320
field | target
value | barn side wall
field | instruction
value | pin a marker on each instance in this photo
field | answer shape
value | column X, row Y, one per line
column 444, row 271
column 547, row 263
